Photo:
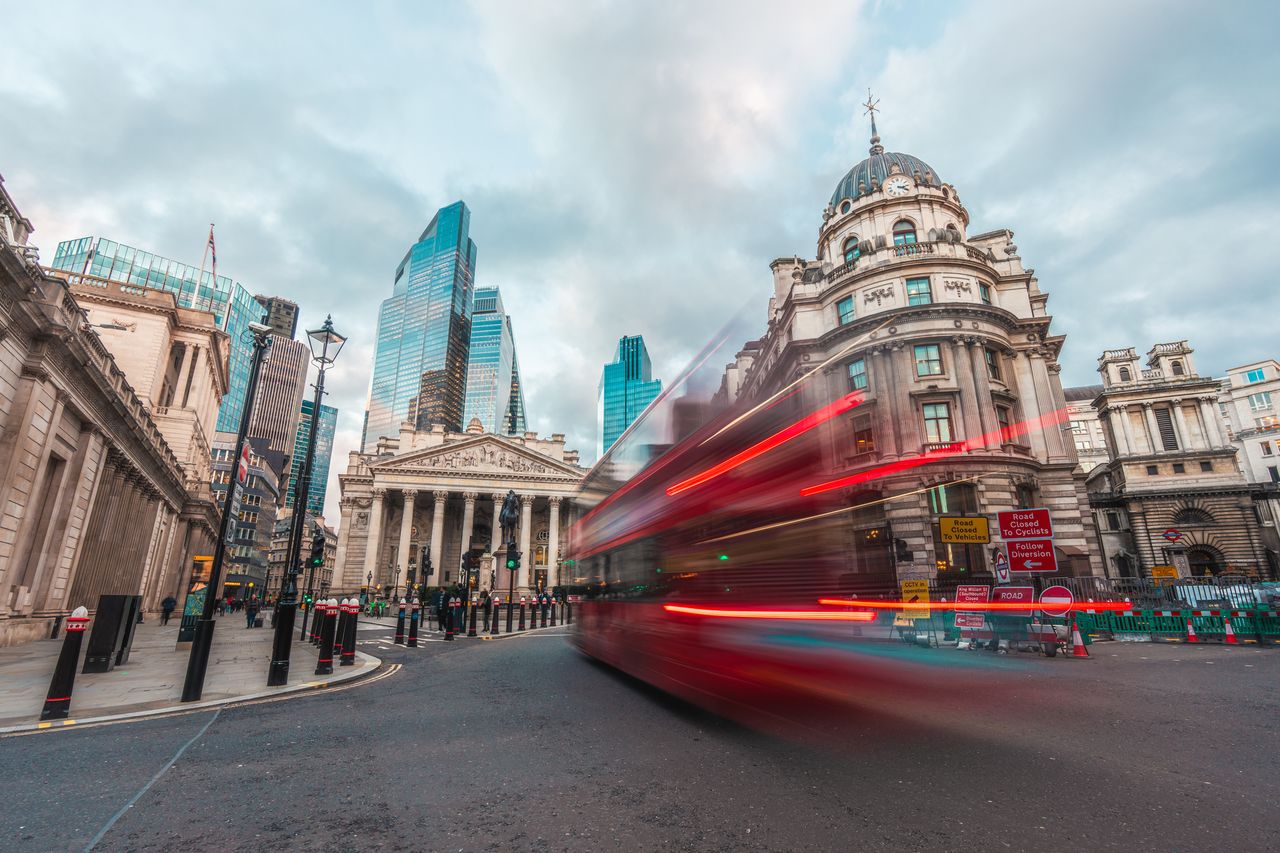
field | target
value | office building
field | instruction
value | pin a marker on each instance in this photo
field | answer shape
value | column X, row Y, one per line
column 282, row 315
column 424, row 330
column 494, row 395
column 320, row 464
column 626, row 388
column 251, row 528
column 282, row 383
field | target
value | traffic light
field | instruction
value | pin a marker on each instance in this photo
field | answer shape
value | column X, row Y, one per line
column 513, row 560
column 317, row 550
column 306, row 601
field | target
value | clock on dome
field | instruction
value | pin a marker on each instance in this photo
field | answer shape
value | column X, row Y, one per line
column 897, row 187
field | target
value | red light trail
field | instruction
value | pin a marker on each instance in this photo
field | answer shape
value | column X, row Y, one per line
column 793, row 615
column 976, row 605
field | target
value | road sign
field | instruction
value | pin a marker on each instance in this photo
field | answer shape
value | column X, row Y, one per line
column 1032, row 555
column 1056, row 601
column 915, row 591
column 242, row 472
column 1002, row 568
column 969, row 530
column 968, row 594
column 1025, row 524
column 1172, row 535
column 1015, row 594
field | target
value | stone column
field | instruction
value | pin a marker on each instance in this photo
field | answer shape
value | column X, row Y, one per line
column 1212, row 423
column 374, row 543
column 986, row 405
column 1055, row 435
column 495, row 533
column 553, row 541
column 880, row 384
column 468, row 519
column 340, row 558
column 905, row 416
column 1117, row 418
column 1030, row 405
column 406, row 533
column 1153, row 429
column 1180, row 424
column 526, row 530
column 437, row 531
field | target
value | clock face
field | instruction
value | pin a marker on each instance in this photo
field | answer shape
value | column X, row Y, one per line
column 897, row 187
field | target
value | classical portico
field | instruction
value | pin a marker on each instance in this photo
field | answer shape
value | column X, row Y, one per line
column 440, row 497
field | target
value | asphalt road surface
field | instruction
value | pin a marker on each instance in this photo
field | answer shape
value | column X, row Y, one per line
column 522, row 744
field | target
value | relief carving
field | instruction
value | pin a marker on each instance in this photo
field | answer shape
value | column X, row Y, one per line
column 483, row 458
column 877, row 295
column 958, row 286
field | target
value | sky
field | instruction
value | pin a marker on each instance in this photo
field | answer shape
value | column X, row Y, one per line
column 633, row 167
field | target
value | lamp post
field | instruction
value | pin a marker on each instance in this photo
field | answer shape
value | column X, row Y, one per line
column 202, row 641
column 325, row 346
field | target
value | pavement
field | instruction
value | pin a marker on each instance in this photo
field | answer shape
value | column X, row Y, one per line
column 525, row 745
column 151, row 681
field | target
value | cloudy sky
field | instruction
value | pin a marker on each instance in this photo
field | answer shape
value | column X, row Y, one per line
column 632, row 167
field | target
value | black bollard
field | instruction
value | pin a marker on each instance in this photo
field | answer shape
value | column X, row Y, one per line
column 510, row 605
column 448, row 619
column 568, row 611
column 340, row 632
column 493, row 623
column 317, row 616
column 57, row 703
column 553, row 612
column 414, row 616
column 324, row 664
column 542, row 614
column 399, row 640
column 471, row 626
column 349, row 639
column 521, row 628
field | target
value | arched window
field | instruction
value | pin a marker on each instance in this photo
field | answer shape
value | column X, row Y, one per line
column 1177, row 368
column 851, row 252
column 1125, row 375
column 1192, row 516
column 904, row 233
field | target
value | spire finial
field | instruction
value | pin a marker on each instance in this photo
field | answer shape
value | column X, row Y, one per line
column 871, row 104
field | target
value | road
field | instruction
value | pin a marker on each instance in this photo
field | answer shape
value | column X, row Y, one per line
column 522, row 744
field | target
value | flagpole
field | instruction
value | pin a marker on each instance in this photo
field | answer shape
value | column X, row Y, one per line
column 203, row 259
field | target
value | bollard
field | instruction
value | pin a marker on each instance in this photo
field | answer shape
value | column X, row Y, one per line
column 471, row 626
column 542, row 614
column 349, row 639
column 568, row 612
column 521, row 628
column 317, row 616
column 493, row 623
column 450, row 607
column 414, row 616
column 510, row 604
column 57, row 703
column 399, row 640
column 553, row 612
column 340, row 632
column 324, row 664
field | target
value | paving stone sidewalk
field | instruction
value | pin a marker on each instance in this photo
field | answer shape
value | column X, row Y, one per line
column 152, row 679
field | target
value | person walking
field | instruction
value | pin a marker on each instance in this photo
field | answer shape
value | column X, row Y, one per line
column 166, row 609
column 487, row 604
column 250, row 612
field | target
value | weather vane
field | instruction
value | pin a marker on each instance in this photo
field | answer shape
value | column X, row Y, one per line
column 871, row 111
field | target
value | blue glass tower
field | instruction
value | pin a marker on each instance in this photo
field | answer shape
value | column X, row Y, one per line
column 233, row 307
column 424, row 329
column 627, row 386
column 320, row 464
column 494, row 395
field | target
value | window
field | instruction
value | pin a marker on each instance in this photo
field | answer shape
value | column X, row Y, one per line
column 858, row 375
column 918, row 292
column 984, row 292
column 1266, row 422
column 1179, row 468
column 846, row 206
column 904, row 233
column 1164, row 423
column 1153, row 470
column 937, row 423
column 1025, row 495
column 1002, row 420
column 959, row 498
column 993, row 363
column 1260, row 402
column 851, row 251
column 1177, row 368
column 1255, row 375
column 1113, row 520
column 1206, row 466
column 1266, row 448
column 1274, row 472
column 1125, row 375
column 864, row 440
column 928, row 360
column 844, row 309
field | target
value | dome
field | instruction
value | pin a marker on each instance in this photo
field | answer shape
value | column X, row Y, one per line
column 879, row 166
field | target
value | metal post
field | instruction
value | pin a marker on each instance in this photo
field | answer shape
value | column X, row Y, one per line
column 521, row 613
column 413, row 624
column 497, row 611
column 324, row 665
column 349, row 640
column 57, row 703
column 202, row 641
column 399, row 640
column 511, row 598
column 340, row 632
column 554, row 604
column 471, row 625
column 542, row 612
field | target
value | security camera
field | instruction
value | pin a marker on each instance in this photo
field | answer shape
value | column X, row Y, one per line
column 259, row 328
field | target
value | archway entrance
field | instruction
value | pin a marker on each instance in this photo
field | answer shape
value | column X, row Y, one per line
column 1203, row 562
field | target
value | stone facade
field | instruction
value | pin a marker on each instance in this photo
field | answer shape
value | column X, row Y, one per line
column 948, row 337
column 94, row 499
column 438, row 493
column 1172, row 467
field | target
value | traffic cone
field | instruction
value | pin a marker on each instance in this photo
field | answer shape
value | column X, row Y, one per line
column 1077, row 642
column 1191, row 633
column 1231, row 635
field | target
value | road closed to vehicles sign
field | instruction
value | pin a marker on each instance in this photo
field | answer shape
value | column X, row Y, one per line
column 970, row 530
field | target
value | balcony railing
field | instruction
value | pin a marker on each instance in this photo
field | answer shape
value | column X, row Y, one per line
column 911, row 250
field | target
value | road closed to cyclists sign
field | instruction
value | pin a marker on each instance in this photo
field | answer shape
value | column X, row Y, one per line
column 1025, row 524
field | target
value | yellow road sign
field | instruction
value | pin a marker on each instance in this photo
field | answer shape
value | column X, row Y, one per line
column 915, row 591
column 972, row 530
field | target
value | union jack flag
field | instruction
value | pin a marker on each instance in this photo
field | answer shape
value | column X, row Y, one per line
column 213, row 252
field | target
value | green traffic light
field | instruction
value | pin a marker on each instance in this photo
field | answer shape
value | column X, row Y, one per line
column 724, row 556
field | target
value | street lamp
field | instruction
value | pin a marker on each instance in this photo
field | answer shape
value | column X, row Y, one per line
column 202, row 641
column 325, row 346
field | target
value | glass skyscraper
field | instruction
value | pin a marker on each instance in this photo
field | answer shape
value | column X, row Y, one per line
column 494, row 395
column 232, row 305
column 627, row 386
column 320, row 465
column 424, row 329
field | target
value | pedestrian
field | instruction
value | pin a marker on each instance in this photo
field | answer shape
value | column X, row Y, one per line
column 250, row 613
column 488, row 607
column 166, row 609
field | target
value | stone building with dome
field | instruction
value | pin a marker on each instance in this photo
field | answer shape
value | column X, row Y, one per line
column 949, row 338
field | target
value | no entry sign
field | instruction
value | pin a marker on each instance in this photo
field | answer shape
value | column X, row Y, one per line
column 1056, row 601
column 1032, row 555
column 1025, row 524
